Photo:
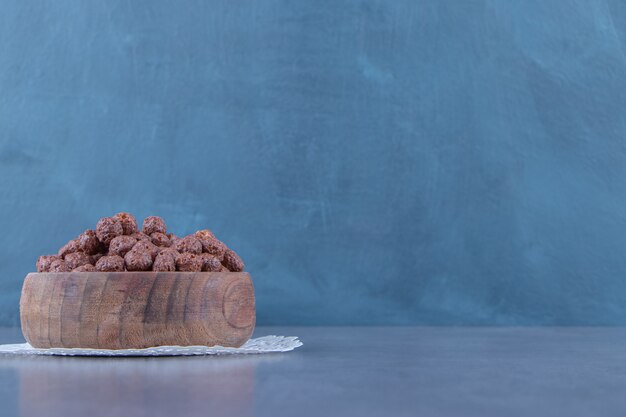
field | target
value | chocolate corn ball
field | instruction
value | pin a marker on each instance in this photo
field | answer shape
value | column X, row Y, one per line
column 210, row 263
column 129, row 224
column 113, row 263
column 70, row 247
column 232, row 261
column 164, row 262
column 120, row 245
column 95, row 257
column 138, row 259
column 85, row 268
column 88, row 242
column 147, row 246
column 214, row 247
column 205, row 234
column 210, row 244
column 173, row 239
column 153, row 224
column 44, row 262
column 188, row 262
column 141, row 236
column 58, row 265
column 76, row 259
column 169, row 252
column 160, row 239
column 188, row 244
column 107, row 229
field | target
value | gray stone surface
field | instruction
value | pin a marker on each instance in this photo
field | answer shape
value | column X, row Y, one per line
column 364, row 371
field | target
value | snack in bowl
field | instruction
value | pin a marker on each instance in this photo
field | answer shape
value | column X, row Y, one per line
column 118, row 287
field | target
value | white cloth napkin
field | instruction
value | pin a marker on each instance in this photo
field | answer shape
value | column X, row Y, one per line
column 265, row 344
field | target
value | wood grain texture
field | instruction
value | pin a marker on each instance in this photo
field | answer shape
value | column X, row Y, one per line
column 121, row 310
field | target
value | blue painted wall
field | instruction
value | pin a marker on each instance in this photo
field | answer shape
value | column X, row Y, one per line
column 374, row 162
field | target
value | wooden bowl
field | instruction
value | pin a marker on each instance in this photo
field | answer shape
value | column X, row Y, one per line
column 122, row 310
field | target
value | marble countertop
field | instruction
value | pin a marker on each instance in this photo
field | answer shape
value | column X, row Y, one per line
column 361, row 371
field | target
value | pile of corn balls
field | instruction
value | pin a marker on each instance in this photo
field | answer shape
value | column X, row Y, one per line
column 117, row 245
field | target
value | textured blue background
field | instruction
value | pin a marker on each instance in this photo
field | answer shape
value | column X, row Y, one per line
column 431, row 162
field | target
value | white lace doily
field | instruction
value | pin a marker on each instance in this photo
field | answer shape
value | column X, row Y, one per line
column 265, row 344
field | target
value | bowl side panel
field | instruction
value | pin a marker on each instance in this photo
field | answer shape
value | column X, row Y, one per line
column 137, row 310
